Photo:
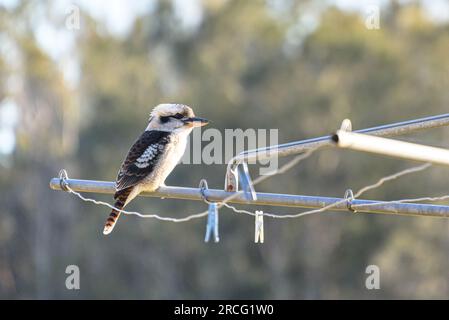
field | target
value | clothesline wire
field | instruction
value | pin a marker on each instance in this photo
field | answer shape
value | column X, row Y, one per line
column 284, row 168
column 190, row 217
column 281, row 170
column 357, row 194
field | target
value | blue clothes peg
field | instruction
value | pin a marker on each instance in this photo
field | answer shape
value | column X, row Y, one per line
column 212, row 223
column 246, row 182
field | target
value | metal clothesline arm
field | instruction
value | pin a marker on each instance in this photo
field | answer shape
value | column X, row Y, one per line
column 390, row 147
column 265, row 199
column 297, row 147
column 389, row 130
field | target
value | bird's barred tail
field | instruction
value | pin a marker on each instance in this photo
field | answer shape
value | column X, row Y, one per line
column 121, row 197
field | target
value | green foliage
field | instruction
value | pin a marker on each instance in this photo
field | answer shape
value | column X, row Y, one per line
column 235, row 70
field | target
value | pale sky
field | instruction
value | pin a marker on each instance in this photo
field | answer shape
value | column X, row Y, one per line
column 118, row 17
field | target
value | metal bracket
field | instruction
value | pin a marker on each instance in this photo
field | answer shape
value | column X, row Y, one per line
column 349, row 196
column 63, row 180
column 232, row 180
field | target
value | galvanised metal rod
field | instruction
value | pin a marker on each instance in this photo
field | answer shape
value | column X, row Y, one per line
column 390, row 147
column 264, row 199
column 388, row 130
column 296, row 147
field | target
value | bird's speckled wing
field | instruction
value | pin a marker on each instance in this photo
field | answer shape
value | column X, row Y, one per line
column 141, row 158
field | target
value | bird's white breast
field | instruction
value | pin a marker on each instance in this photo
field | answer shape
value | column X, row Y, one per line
column 168, row 160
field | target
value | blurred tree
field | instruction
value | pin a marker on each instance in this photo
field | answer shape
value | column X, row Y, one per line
column 240, row 68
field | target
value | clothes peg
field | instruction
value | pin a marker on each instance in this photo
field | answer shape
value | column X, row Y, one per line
column 212, row 223
column 247, row 184
column 258, row 235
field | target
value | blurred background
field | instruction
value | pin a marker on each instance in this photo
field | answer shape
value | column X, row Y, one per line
column 77, row 98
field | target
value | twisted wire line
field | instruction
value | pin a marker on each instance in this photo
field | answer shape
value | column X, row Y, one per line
column 379, row 183
column 262, row 178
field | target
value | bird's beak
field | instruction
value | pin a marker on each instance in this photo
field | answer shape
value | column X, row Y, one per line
column 195, row 122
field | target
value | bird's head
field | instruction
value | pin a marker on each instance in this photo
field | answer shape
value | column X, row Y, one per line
column 174, row 117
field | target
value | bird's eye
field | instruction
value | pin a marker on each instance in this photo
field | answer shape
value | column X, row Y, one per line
column 164, row 119
column 178, row 116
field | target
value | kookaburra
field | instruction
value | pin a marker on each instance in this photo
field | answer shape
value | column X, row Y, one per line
column 154, row 155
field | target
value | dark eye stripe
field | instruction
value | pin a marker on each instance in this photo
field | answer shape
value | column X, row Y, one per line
column 164, row 119
column 178, row 116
